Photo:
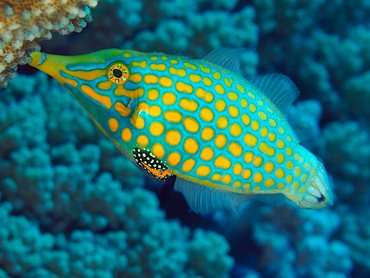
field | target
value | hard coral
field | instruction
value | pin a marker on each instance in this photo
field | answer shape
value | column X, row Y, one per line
column 22, row 22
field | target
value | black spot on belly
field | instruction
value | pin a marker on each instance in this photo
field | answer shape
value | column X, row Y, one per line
column 151, row 165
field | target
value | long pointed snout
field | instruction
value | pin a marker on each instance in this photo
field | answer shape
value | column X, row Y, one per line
column 53, row 65
column 72, row 69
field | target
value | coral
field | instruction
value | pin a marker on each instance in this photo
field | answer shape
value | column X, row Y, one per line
column 23, row 247
column 349, row 163
column 355, row 231
column 357, row 94
column 3, row 274
column 27, row 252
column 155, row 249
column 206, row 254
column 319, row 45
column 297, row 243
column 22, row 23
column 286, row 17
column 304, row 117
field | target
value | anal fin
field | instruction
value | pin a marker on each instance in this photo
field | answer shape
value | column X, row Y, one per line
column 204, row 199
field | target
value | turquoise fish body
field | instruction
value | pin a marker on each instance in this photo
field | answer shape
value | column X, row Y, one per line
column 221, row 135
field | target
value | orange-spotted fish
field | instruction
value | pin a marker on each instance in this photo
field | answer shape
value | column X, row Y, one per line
column 225, row 138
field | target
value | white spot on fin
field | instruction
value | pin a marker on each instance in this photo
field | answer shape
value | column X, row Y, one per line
column 205, row 199
column 279, row 88
column 226, row 58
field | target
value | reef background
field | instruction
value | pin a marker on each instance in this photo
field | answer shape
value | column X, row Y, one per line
column 73, row 206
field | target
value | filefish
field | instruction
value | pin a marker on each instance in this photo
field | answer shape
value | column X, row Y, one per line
column 225, row 138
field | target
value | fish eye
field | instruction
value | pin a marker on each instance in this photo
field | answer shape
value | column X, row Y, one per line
column 118, row 73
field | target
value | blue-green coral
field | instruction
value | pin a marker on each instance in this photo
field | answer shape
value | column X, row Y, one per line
column 162, row 249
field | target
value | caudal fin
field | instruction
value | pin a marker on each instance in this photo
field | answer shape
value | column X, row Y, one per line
column 319, row 194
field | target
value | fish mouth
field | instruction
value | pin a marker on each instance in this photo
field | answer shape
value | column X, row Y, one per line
column 319, row 194
column 37, row 58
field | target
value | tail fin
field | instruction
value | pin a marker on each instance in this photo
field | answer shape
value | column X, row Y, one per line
column 319, row 194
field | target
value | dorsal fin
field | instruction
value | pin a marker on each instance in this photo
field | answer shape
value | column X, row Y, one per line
column 278, row 88
column 226, row 57
column 301, row 134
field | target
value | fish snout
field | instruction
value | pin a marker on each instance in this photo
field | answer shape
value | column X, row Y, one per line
column 53, row 65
